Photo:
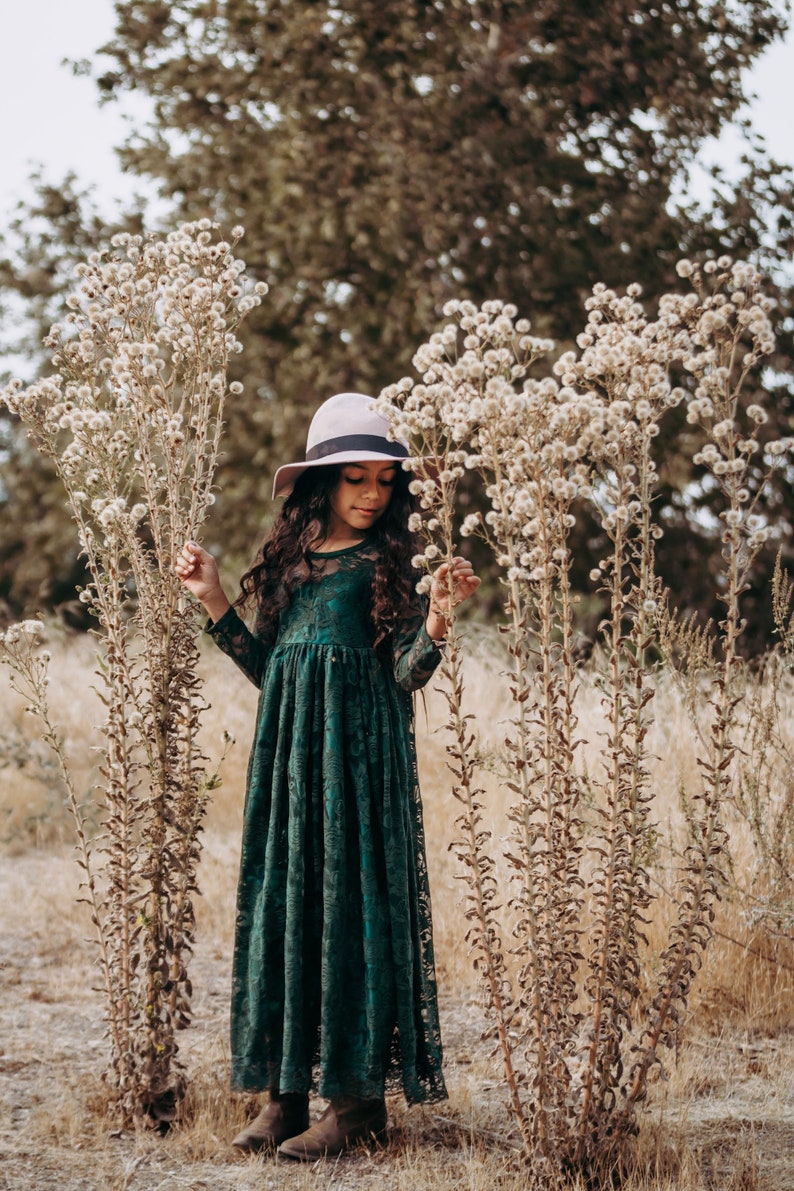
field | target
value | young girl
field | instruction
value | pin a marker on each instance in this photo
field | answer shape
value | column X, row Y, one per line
column 333, row 964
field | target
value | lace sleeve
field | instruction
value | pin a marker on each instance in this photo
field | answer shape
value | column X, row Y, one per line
column 248, row 651
column 416, row 655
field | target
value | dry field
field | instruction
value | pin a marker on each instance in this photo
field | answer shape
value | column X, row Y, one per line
column 722, row 1119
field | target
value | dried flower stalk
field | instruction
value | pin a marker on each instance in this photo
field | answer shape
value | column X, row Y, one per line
column 132, row 421
column 576, row 1048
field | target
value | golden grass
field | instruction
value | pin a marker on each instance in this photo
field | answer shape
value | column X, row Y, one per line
column 723, row 1118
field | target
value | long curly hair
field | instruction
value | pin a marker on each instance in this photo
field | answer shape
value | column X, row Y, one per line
column 284, row 561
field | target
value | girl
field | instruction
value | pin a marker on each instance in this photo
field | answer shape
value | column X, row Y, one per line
column 333, row 964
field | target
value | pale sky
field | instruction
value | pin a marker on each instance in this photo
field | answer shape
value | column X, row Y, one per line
column 49, row 117
column 52, row 119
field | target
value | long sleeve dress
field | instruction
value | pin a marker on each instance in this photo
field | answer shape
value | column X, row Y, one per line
column 333, row 979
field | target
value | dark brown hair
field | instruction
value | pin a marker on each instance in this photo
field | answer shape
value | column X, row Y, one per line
column 284, row 561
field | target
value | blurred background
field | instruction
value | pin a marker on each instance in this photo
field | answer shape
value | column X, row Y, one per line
column 383, row 157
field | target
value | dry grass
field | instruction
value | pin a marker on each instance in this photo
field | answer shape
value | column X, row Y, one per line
column 723, row 1119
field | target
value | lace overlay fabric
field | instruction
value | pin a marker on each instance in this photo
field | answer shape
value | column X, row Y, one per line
column 334, row 980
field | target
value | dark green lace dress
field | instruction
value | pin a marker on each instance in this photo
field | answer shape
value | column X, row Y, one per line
column 334, row 981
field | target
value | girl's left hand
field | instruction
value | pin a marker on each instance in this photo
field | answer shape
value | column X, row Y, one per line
column 460, row 578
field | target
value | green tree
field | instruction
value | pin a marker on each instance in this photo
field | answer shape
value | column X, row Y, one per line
column 385, row 155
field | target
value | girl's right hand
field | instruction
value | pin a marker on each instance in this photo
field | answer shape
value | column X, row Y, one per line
column 199, row 572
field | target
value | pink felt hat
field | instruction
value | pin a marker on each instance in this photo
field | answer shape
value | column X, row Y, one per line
column 345, row 429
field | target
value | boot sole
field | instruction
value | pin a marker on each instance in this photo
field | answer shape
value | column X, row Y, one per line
column 377, row 1138
column 255, row 1145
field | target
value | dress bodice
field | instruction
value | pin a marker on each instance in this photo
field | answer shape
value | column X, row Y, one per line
column 332, row 606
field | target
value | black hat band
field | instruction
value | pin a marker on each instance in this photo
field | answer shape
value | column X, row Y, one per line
column 356, row 442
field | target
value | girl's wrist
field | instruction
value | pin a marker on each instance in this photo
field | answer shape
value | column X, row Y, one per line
column 216, row 605
column 436, row 623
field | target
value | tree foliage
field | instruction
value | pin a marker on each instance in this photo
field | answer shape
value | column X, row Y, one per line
column 386, row 155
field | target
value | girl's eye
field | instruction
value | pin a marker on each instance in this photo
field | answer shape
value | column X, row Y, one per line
column 386, row 481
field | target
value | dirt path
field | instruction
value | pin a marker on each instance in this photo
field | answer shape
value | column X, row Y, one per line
column 52, row 1053
column 735, row 1107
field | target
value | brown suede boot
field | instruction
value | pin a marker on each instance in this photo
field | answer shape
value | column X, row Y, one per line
column 344, row 1122
column 282, row 1117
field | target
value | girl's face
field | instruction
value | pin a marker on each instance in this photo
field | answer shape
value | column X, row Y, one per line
column 360, row 498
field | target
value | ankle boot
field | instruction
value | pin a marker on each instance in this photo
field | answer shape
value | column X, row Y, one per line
column 283, row 1116
column 346, row 1121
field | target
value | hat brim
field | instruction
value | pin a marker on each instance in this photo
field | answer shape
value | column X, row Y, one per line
column 285, row 477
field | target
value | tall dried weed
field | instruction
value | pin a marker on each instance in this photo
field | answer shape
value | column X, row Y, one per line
column 132, row 421
column 560, row 936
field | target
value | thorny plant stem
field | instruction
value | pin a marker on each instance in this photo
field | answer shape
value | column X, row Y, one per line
column 520, row 692
column 703, row 876
column 472, row 849
column 119, row 774
column 34, row 690
column 702, row 887
column 520, row 689
column 122, row 860
column 486, row 936
column 566, row 621
column 641, row 667
column 554, row 619
column 597, row 993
